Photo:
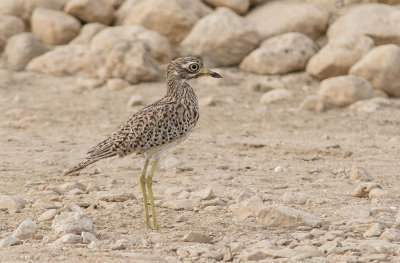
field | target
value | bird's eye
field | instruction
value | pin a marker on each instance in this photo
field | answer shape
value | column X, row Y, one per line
column 193, row 67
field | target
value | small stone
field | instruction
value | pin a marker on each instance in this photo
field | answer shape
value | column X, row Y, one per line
column 11, row 203
column 72, row 185
column 91, row 10
column 253, row 255
column 117, row 84
column 182, row 252
column 249, row 208
column 363, row 189
column 281, row 216
column 358, row 173
column 88, row 238
column 88, row 31
column 374, row 231
column 26, row 229
column 378, row 193
column 295, row 198
column 313, row 103
column 10, row 241
column 278, row 169
column 47, row 215
column 206, row 194
column 135, row 100
column 72, row 222
column 117, row 197
column 182, row 204
column 207, row 101
column 90, row 83
column 94, row 245
column 197, row 237
column 75, row 191
column 120, row 244
column 245, row 193
column 275, row 95
column 71, row 239
column 391, row 235
column 181, row 218
column 317, row 232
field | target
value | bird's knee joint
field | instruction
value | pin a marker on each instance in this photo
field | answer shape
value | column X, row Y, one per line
column 149, row 181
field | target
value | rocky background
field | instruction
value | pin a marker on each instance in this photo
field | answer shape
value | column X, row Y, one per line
column 295, row 158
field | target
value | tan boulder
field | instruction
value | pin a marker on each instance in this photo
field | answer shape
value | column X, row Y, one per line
column 9, row 26
column 222, row 38
column 282, row 216
column 313, row 103
column 22, row 48
column 381, row 67
column 345, row 90
column 31, row 5
column 171, row 18
column 54, row 27
column 124, row 10
column 239, row 6
column 90, row 11
column 87, row 32
column 378, row 21
column 281, row 54
column 12, row 8
column 338, row 56
column 279, row 17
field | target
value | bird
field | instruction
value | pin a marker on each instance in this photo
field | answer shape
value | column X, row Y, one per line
column 154, row 129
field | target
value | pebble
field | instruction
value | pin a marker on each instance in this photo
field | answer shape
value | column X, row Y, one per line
column 378, row 193
column 282, row 216
column 363, row 189
column 94, row 245
column 181, row 218
column 249, row 208
column 358, row 173
column 313, row 103
column 295, row 198
column 245, row 193
column 9, row 241
column 391, row 235
column 71, row 239
column 317, row 232
column 135, row 100
column 11, row 203
column 88, row 238
column 205, row 194
column 182, row 252
column 278, row 169
column 117, row 197
column 90, row 83
column 253, row 255
column 75, row 191
column 182, row 204
column 47, row 215
column 72, row 222
column 120, row 244
column 26, row 229
column 72, row 185
column 117, row 84
column 275, row 95
column 197, row 237
column 207, row 101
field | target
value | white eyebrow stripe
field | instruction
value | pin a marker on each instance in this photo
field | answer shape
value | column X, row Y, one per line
column 186, row 65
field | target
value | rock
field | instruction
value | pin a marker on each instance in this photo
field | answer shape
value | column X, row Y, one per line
column 68, row 60
column 363, row 189
column 378, row 193
column 130, row 60
column 282, row 216
column 245, row 193
column 91, row 10
column 88, row 238
column 345, row 90
column 117, row 197
column 197, row 237
column 71, row 239
column 90, row 83
column 295, row 198
column 21, row 48
column 135, row 100
column 75, row 191
column 358, row 173
column 11, row 7
column 25, row 230
column 367, row 20
column 381, row 67
column 253, row 255
column 207, row 101
column 117, row 84
column 338, row 56
column 313, row 103
column 54, row 27
column 94, row 245
column 120, row 244
column 72, row 222
column 239, row 6
column 9, row 241
column 371, row 105
column 279, row 17
column 374, row 231
column 87, row 32
column 9, row 26
column 71, row 185
column 280, row 54
column 275, row 95
column 225, row 43
column 31, row 5
column 391, row 235
column 48, row 215
column 205, row 194
column 183, row 204
column 171, row 18
column 249, row 208
column 11, row 203
column 181, row 218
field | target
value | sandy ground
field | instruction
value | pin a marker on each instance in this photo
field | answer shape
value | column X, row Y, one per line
column 48, row 124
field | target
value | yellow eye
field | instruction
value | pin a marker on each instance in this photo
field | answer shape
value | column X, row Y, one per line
column 194, row 67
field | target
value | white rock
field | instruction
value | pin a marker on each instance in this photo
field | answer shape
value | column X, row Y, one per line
column 253, row 255
column 281, row 216
column 91, row 10
column 378, row 193
column 205, row 194
column 181, row 218
column 336, row 58
column 11, row 203
column 278, row 17
column 278, row 169
column 275, row 95
column 313, row 103
column 47, row 215
column 381, row 67
column 72, row 222
column 71, row 239
column 371, row 105
column 295, row 198
column 249, row 208
column 245, row 193
column 374, row 231
column 9, row 26
column 197, row 237
column 90, row 83
column 9, row 241
column 363, row 189
column 117, row 196
column 72, row 185
column 88, row 238
column 225, row 43
column 391, row 235
column 239, row 6
column 94, row 245
column 183, row 204
column 75, row 191
column 344, row 90
column 135, row 100
column 26, row 229
column 87, row 32
column 120, row 244
column 54, row 27
column 280, row 54
column 117, row 84
column 358, row 173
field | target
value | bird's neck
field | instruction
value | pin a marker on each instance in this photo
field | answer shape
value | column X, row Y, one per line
column 179, row 88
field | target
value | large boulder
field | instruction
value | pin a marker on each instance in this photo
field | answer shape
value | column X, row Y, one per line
column 338, row 56
column 171, row 18
column 278, row 17
column 160, row 48
column 239, row 6
column 124, row 10
column 9, row 26
column 100, row 11
column 12, row 7
column 345, row 90
column 87, row 32
column 281, row 54
column 381, row 67
column 22, row 48
column 378, row 21
column 222, row 38
column 54, row 27
column 31, row 5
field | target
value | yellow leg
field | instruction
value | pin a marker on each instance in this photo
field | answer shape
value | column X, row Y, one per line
column 149, row 181
column 143, row 186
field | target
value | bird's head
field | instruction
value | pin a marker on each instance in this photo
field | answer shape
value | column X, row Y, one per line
column 186, row 68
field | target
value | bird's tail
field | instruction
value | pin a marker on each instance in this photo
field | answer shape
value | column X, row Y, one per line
column 81, row 165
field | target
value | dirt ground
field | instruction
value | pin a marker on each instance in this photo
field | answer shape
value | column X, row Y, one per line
column 48, row 124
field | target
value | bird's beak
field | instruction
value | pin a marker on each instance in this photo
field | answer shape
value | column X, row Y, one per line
column 206, row 72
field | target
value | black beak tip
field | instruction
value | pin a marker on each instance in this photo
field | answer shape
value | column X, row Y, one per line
column 216, row 75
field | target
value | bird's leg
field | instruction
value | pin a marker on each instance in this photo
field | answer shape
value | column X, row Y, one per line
column 149, row 181
column 143, row 186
